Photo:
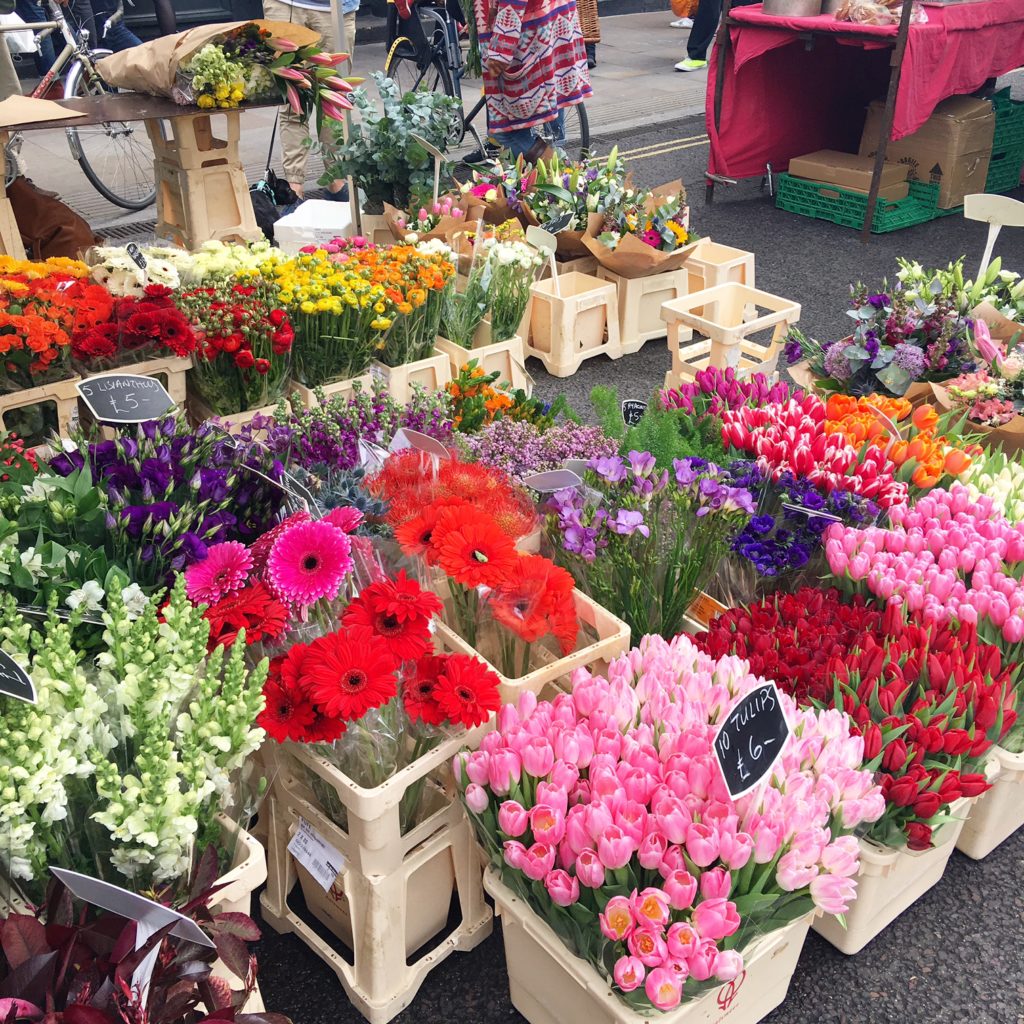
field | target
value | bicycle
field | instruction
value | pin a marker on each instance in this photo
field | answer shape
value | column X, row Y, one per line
column 115, row 156
column 429, row 55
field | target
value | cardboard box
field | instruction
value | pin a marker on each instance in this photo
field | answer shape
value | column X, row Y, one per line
column 890, row 192
column 952, row 147
column 848, row 170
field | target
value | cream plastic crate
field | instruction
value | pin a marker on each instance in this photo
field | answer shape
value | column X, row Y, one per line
column 395, row 889
column 505, row 357
column 609, row 638
column 549, row 985
column 580, row 264
column 726, row 318
column 713, row 263
column 172, row 372
column 579, row 322
column 640, row 302
column 375, row 228
column 432, row 374
column 484, row 334
column 189, row 142
column 889, row 881
column 997, row 814
column 60, row 395
column 306, row 397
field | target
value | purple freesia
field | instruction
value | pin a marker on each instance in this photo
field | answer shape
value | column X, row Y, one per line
column 642, row 464
column 610, row 468
column 627, row 522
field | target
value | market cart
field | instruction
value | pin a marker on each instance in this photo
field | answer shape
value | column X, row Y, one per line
column 779, row 87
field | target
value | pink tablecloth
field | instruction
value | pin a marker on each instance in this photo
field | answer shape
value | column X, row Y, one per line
column 782, row 100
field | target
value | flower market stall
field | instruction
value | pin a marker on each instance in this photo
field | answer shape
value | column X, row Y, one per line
column 358, row 641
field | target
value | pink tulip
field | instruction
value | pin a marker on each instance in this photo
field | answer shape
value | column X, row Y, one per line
column 515, row 854
column 793, row 873
column 735, row 849
column 833, row 893
column 728, row 965
column 504, row 771
column 674, row 820
column 512, row 818
column 702, row 961
column 564, row 775
column 702, row 844
column 652, row 851
column 681, row 888
column 476, row 798
column 647, row 945
column 617, row 921
column 716, row 918
column 663, row 988
column 842, row 856
column 615, row 848
column 628, row 973
column 563, row 889
column 589, row 869
column 715, row 884
column 599, row 820
column 554, row 796
column 547, row 824
column 538, row 861
column 476, row 765
column 650, row 907
column 682, row 941
column 766, row 845
column 674, row 860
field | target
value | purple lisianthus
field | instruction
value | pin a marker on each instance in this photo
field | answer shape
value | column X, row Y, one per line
column 141, row 519
column 879, row 300
column 793, row 350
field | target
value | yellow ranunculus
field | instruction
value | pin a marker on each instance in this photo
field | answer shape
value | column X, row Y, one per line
column 308, row 307
column 205, row 102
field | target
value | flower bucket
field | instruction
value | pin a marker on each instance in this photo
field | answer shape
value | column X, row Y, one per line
column 997, row 814
column 603, row 637
column 394, row 890
column 200, row 412
column 506, row 357
column 432, row 374
column 306, row 397
column 37, row 413
column 549, row 985
column 889, row 881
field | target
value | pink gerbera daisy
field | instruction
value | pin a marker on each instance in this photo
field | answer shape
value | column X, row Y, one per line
column 309, row 561
column 345, row 518
column 224, row 570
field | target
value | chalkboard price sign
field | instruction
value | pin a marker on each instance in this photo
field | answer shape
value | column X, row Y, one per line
column 751, row 739
column 633, row 411
column 125, row 398
column 15, row 681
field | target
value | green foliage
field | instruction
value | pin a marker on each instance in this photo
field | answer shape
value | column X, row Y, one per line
column 666, row 433
column 381, row 154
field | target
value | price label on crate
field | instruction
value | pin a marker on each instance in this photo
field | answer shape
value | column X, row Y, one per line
column 633, row 411
column 751, row 739
column 125, row 397
column 316, row 855
column 15, row 681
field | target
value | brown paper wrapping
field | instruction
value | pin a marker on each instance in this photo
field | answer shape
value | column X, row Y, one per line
column 919, row 393
column 1000, row 327
column 632, row 257
column 447, row 227
column 151, row 67
column 1009, row 436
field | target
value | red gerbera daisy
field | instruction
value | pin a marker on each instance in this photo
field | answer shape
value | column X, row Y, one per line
column 466, row 690
column 405, row 599
column 286, row 714
column 323, row 728
column 406, row 639
column 349, row 675
column 415, row 535
column 472, row 550
column 418, row 691
column 252, row 609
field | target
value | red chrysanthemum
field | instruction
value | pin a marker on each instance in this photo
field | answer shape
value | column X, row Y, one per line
column 418, row 691
column 286, row 714
column 472, row 550
column 466, row 690
column 349, row 675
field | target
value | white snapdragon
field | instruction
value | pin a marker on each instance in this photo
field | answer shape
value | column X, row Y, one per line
column 89, row 597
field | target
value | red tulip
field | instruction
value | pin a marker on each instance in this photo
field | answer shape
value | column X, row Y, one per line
column 973, row 784
column 919, row 836
column 927, row 805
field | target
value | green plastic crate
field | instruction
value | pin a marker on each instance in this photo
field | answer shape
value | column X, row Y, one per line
column 1004, row 170
column 841, row 206
column 1009, row 132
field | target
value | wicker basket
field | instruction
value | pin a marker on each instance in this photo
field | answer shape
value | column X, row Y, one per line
column 589, row 23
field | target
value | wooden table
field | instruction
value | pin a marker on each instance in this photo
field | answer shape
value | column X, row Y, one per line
column 201, row 189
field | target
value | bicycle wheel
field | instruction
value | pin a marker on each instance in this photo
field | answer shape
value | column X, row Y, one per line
column 116, row 156
column 577, row 132
column 410, row 76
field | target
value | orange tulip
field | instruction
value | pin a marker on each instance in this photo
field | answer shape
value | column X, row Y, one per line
column 956, row 462
column 925, row 418
column 898, row 453
column 918, row 449
column 923, row 479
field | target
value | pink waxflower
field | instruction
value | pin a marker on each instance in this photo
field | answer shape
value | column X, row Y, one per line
column 650, row 906
column 309, row 561
column 512, row 818
column 617, row 921
column 224, row 570
column 716, row 918
column 663, row 988
column 645, row 942
column 615, row 848
column 628, row 973
column 563, row 889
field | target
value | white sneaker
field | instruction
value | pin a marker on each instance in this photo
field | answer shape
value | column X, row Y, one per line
column 681, row 23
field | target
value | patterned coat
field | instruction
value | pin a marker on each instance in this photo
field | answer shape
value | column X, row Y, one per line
column 540, row 47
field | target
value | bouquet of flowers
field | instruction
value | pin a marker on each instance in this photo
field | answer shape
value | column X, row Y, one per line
column 1002, row 289
column 928, row 698
column 42, row 307
column 475, row 400
column 438, row 220
column 561, row 194
column 650, row 234
column 643, row 543
column 245, row 341
column 521, row 448
column 138, row 329
column 113, row 267
column 160, row 496
column 222, row 66
column 981, row 397
column 120, row 766
column 373, row 696
column 606, row 812
column 897, row 340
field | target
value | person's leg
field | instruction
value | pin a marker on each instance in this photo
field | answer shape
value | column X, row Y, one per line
column 45, row 55
column 705, row 24
column 519, row 141
column 165, row 19
column 323, row 22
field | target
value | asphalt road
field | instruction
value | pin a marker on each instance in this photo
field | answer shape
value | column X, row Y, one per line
column 956, row 956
